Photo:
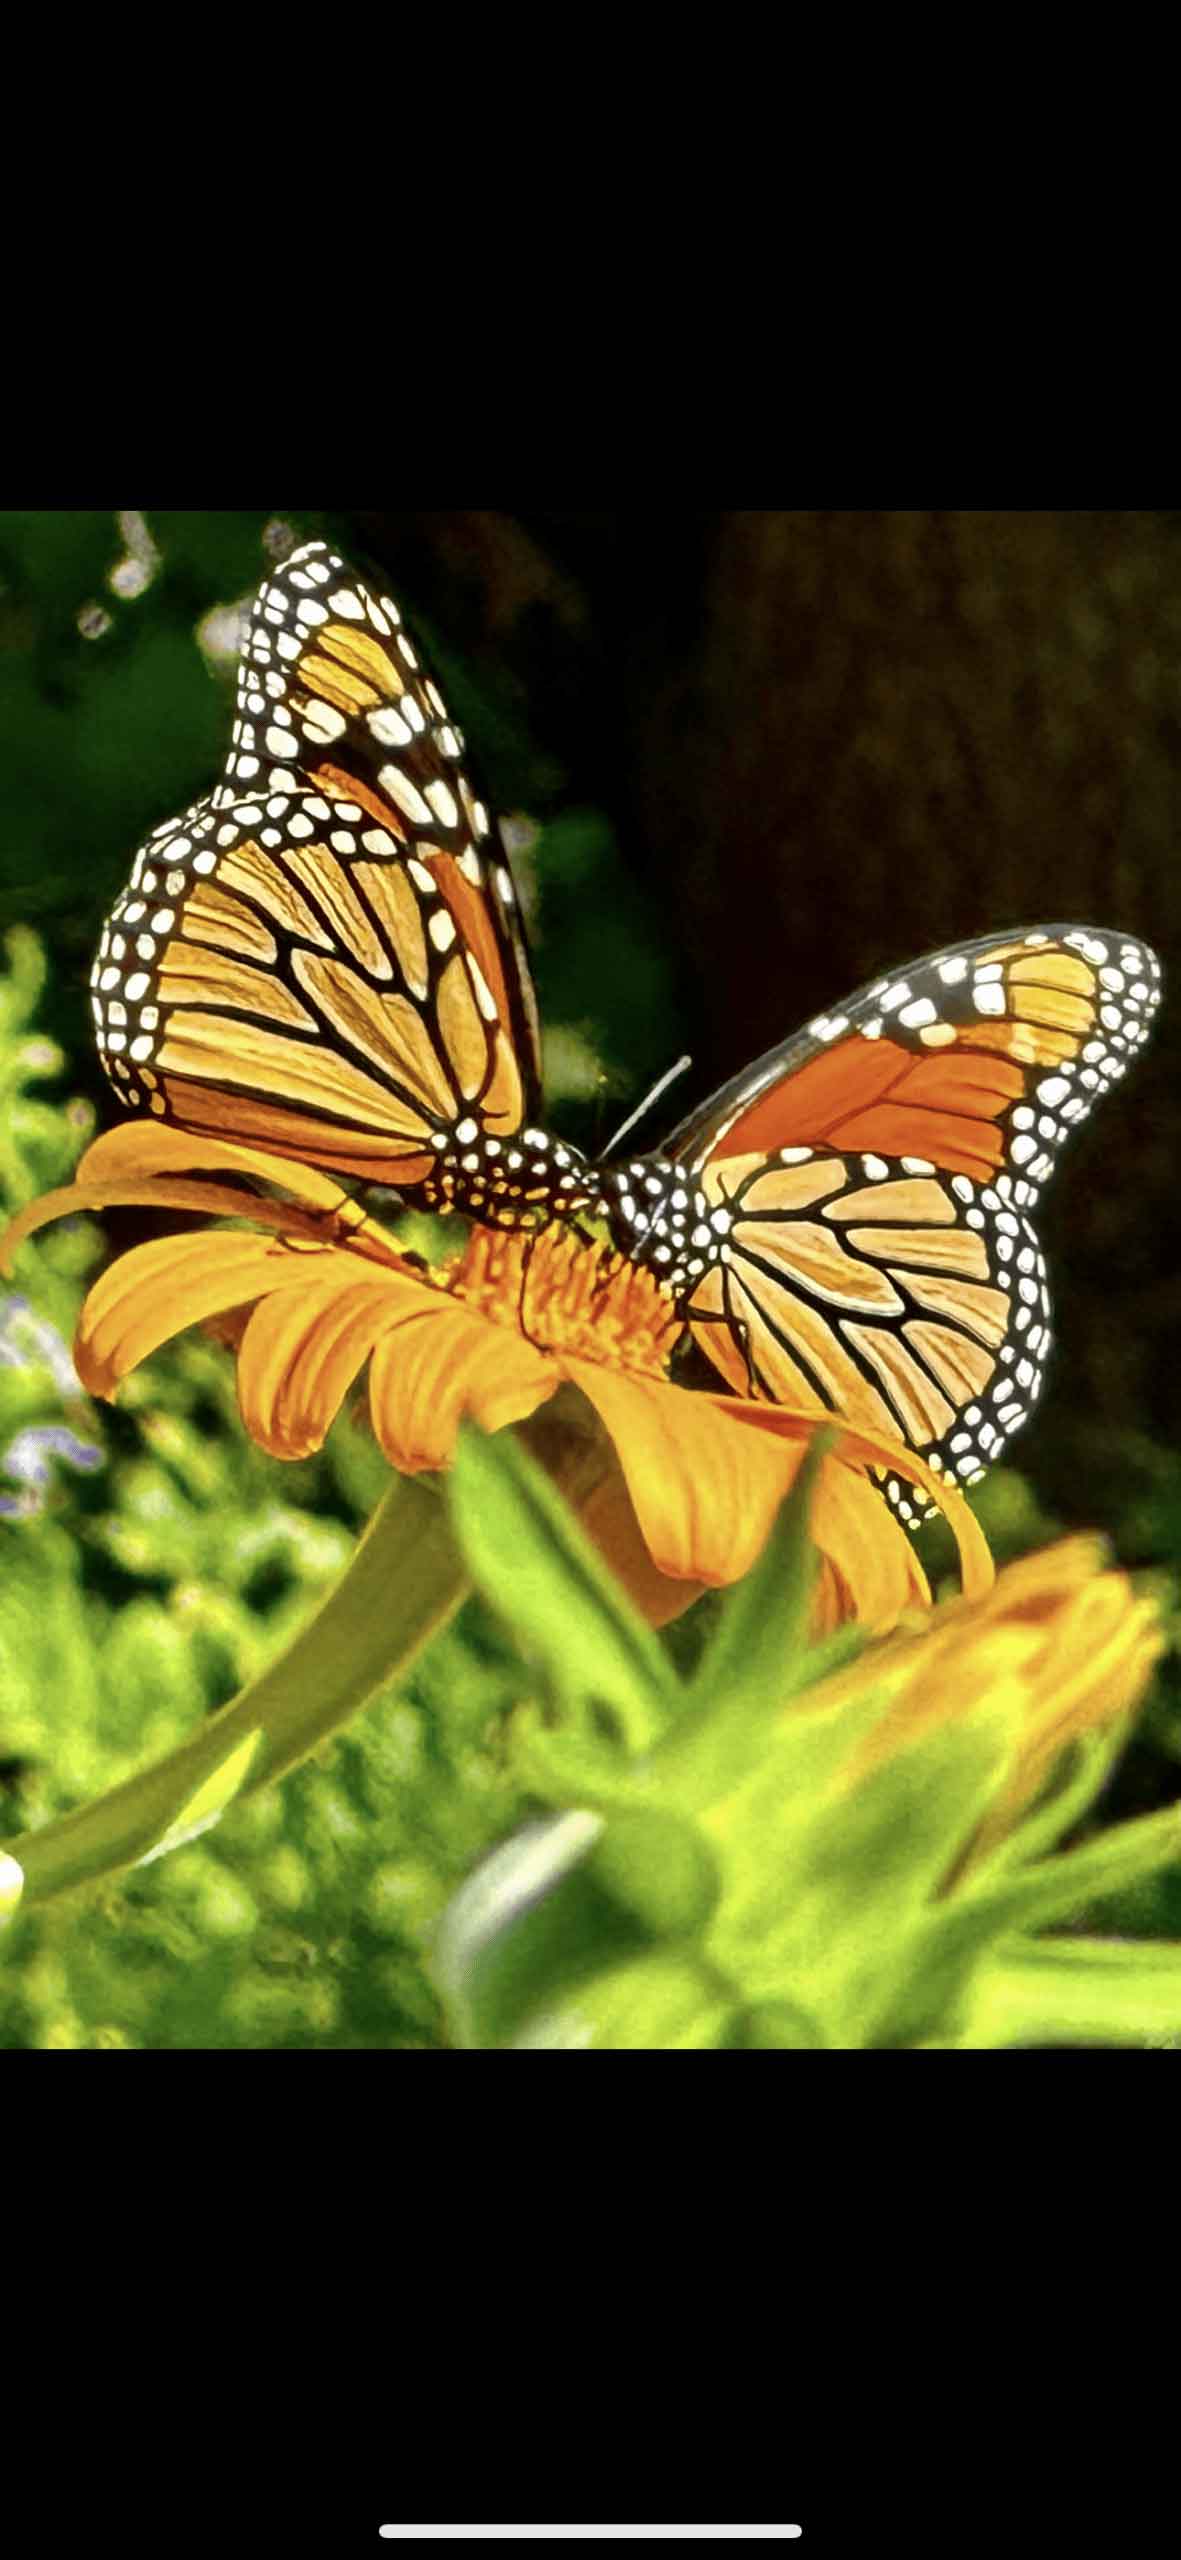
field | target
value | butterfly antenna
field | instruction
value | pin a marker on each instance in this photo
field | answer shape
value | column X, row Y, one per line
column 669, row 1077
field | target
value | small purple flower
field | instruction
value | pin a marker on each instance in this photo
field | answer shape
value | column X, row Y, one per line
column 27, row 1460
column 26, row 1339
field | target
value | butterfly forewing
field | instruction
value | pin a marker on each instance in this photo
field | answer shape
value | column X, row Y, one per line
column 324, row 957
column 876, row 1180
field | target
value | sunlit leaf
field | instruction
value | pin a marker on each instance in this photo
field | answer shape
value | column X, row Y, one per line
column 527, row 1553
column 527, row 1922
column 654, row 2003
column 1055, row 1888
column 660, row 1868
column 567, row 1767
column 761, row 1634
column 1078, row 1991
column 208, row 1804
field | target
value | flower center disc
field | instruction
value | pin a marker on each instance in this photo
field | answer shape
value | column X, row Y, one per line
column 580, row 1300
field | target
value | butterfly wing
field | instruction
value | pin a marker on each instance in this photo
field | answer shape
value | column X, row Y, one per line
column 328, row 665
column 876, row 1179
column 324, row 957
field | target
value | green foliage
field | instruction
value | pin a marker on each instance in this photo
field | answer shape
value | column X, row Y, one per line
column 138, row 1596
column 745, row 1876
column 561, row 1601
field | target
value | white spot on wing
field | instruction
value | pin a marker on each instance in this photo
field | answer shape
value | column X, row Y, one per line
column 404, row 795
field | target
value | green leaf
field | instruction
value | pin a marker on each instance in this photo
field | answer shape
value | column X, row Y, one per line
column 963, row 1936
column 528, row 1555
column 667, row 2003
column 974, row 1923
column 569, row 1769
column 551, row 1917
column 1055, row 1888
column 830, row 1888
column 903, row 1824
column 660, row 1868
column 778, row 2026
column 745, row 1698
column 527, row 1926
column 762, row 1633
column 1078, row 1991
column 207, row 1805
column 400, row 1586
column 767, row 1783
column 1086, row 1766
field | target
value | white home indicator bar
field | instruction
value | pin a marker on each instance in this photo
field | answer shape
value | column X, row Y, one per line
column 591, row 2532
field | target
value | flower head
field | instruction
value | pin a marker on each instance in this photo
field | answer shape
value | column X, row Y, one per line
column 1063, row 1638
column 312, row 1289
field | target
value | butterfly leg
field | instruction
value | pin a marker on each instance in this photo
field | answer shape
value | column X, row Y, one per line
column 361, row 1230
column 531, row 1242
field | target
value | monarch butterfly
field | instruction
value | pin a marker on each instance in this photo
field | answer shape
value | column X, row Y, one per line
column 324, row 958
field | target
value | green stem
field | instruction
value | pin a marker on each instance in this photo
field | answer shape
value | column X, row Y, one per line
column 404, row 1581
column 1079, row 1991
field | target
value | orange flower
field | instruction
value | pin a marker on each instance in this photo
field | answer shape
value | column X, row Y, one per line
column 1063, row 1639
column 496, row 1334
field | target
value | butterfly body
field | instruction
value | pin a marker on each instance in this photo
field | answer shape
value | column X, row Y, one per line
column 661, row 1221
column 323, row 959
column 517, row 1183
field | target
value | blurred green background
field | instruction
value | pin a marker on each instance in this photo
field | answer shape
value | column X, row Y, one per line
column 755, row 755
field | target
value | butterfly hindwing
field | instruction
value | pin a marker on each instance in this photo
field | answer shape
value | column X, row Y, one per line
column 323, row 958
column 877, row 1176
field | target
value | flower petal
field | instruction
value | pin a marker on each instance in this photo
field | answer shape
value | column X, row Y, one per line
column 300, row 1354
column 862, row 1447
column 162, row 1288
column 706, row 1491
column 608, row 1516
column 64, row 1203
column 438, row 1363
column 1093, row 1666
column 148, row 1148
column 704, row 1496
column 833, row 1603
column 145, row 1147
column 81, row 1198
column 206, row 1198
column 1033, row 1588
column 1067, row 1643
column 876, row 1569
